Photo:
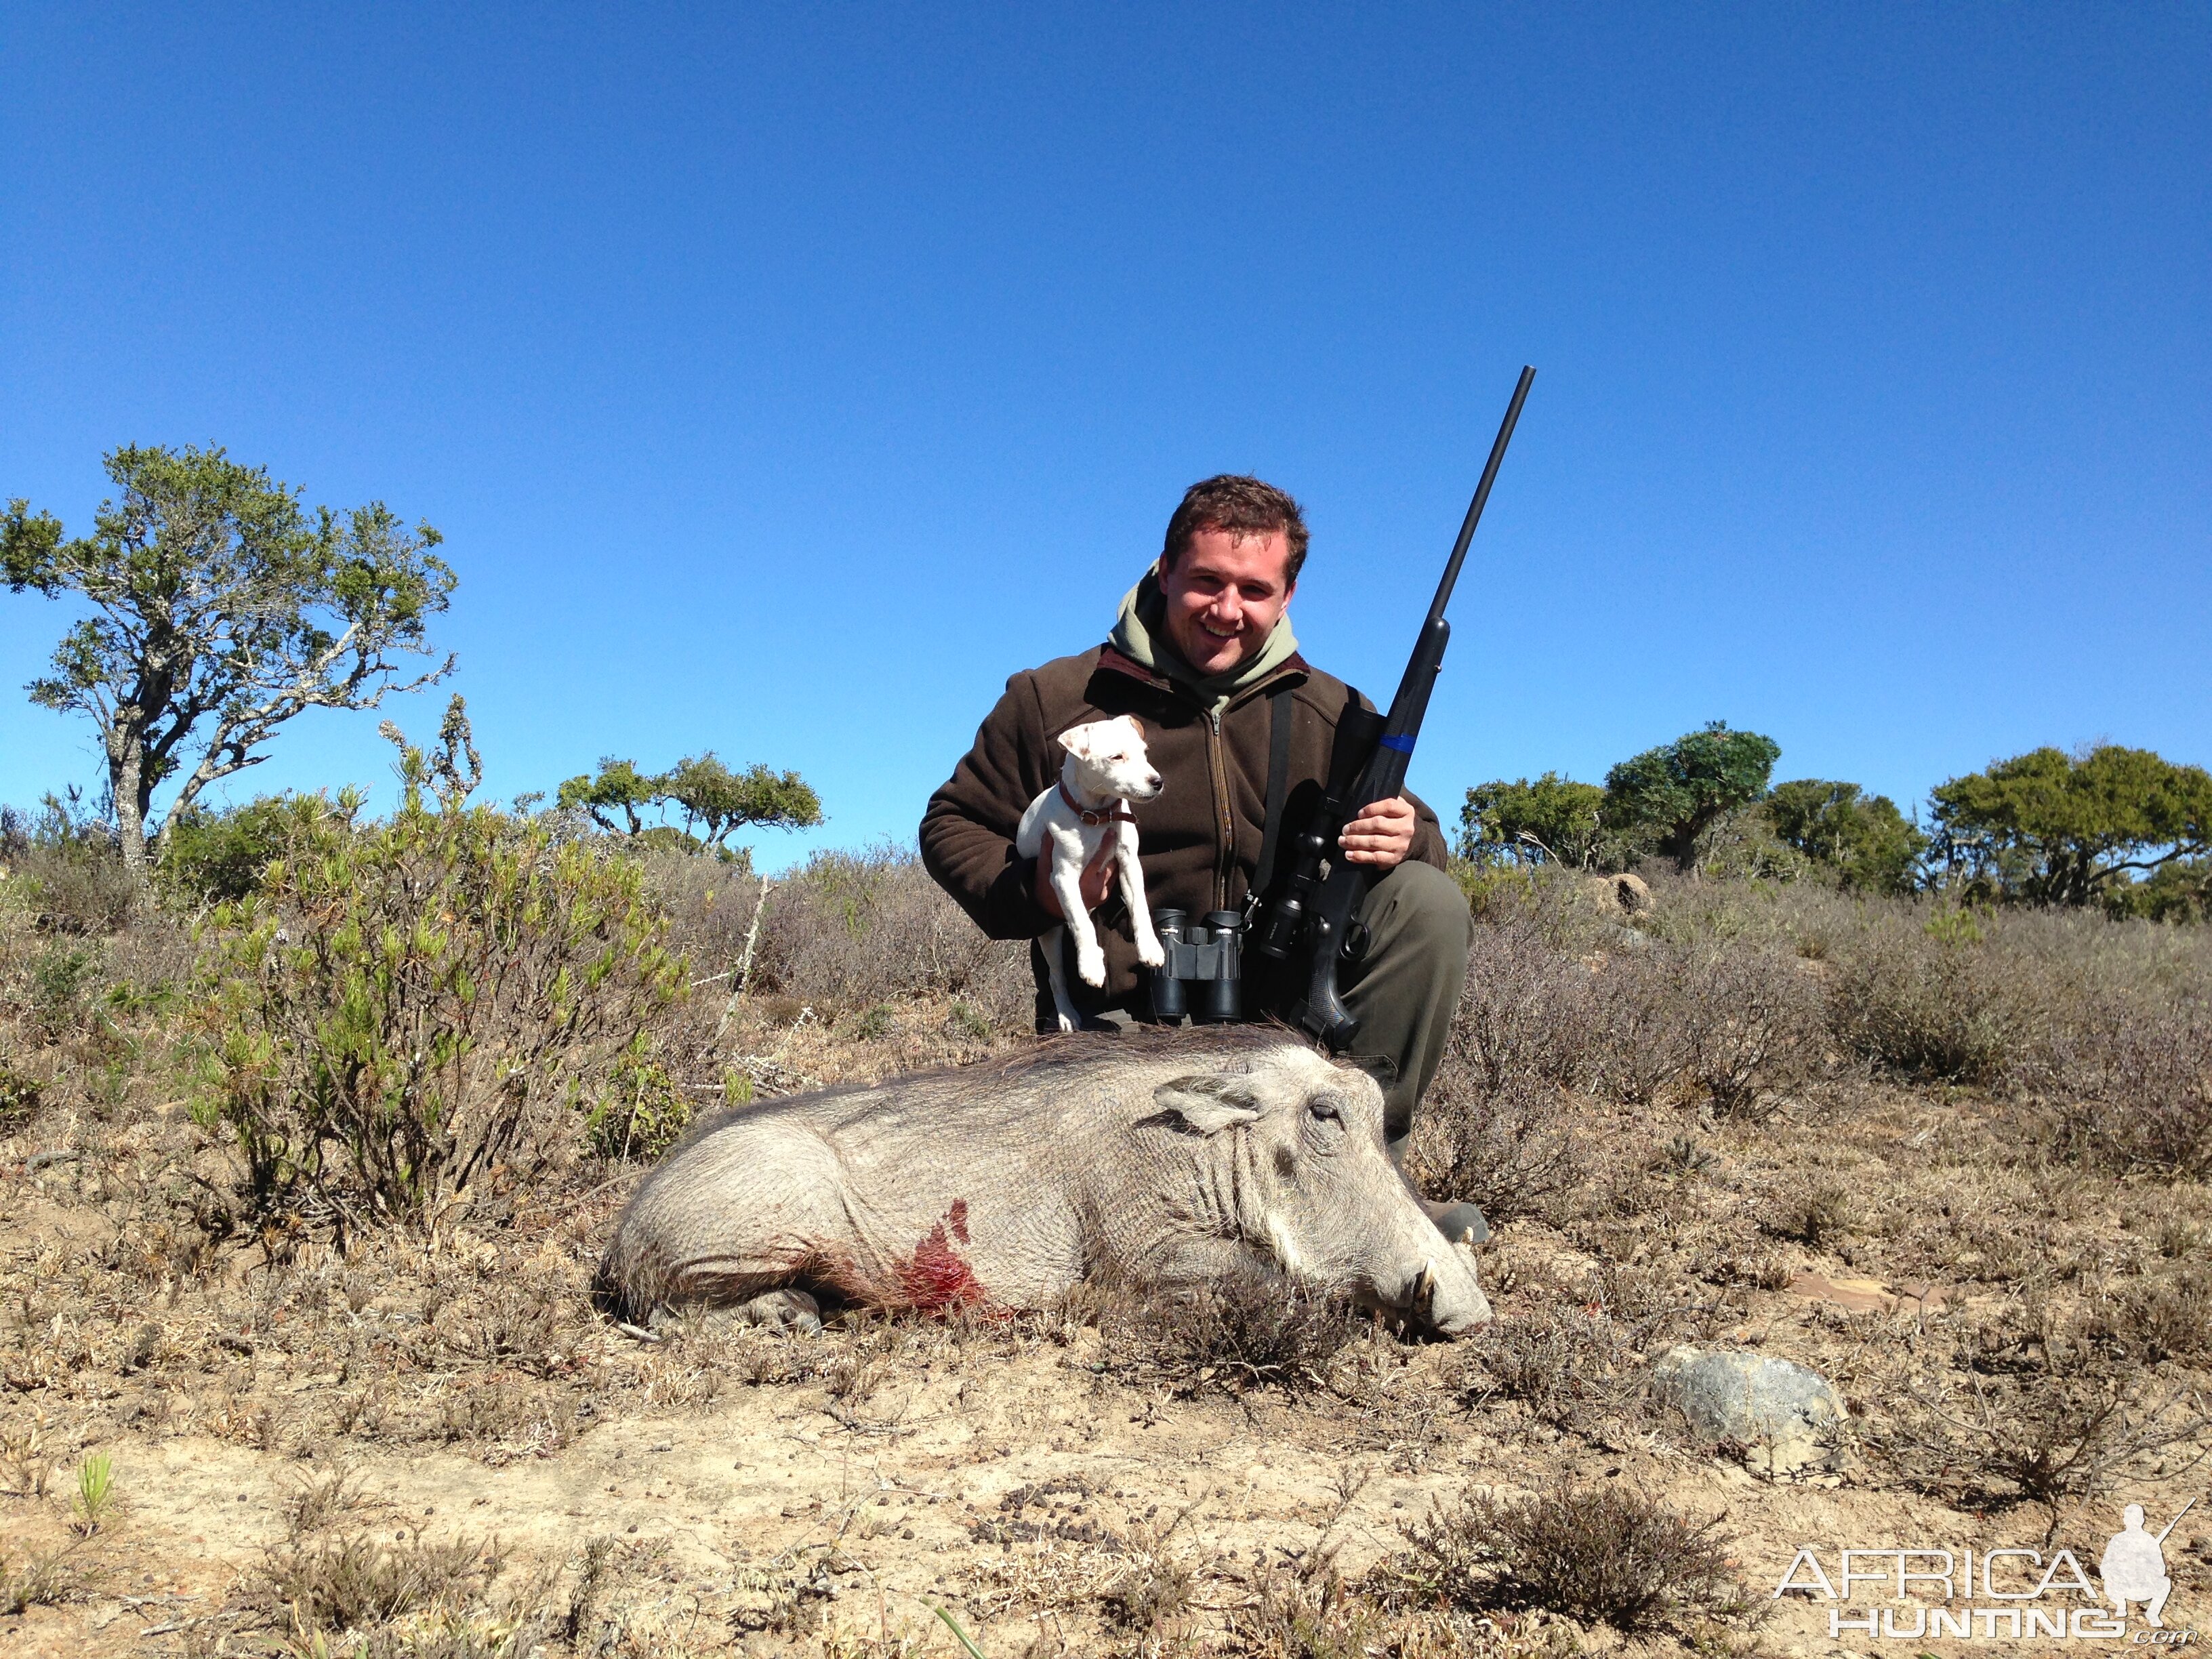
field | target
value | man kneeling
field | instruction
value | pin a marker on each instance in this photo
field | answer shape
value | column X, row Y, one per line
column 1203, row 654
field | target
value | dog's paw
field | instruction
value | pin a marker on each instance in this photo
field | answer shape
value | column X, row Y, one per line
column 1066, row 1023
column 1149, row 953
column 1092, row 965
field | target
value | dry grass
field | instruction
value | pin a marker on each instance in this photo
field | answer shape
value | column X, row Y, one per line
column 1669, row 1125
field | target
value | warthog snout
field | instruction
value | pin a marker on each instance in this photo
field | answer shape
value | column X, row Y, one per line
column 1445, row 1297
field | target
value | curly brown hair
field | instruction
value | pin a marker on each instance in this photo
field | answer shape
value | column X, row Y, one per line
column 1242, row 505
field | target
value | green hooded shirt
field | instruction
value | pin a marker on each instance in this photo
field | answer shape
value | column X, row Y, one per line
column 1140, row 634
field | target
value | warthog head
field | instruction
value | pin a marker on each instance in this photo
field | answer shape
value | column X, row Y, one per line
column 1293, row 1157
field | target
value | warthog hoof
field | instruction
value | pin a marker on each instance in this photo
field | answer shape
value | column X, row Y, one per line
column 785, row 1310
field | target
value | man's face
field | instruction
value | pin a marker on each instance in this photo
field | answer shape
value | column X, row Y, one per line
column 1224, row 596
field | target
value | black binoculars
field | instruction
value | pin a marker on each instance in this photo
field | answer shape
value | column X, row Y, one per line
column 1203, row 973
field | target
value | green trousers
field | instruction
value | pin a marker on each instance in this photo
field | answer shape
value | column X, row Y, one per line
column 1404, row 991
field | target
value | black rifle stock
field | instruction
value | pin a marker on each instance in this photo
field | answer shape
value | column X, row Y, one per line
column 1316, row 915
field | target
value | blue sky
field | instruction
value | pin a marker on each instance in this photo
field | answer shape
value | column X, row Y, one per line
column 783, row 378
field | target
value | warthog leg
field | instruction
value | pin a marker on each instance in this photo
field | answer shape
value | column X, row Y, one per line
column 780, row 1310
column 786, row 1309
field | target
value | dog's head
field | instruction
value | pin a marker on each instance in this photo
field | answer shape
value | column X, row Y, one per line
column 1109, row 759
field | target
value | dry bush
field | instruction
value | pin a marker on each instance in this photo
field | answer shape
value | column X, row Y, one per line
column 1751, row 1024
column 709, row 905
column 2150, row 1320
column 2029, row 1414
column 1528, row 1006
column 37, row 1581
column 69, row 877
column 1817, row 1214
column 1575, row 1370
column 1508, row 1151
column 1604, row 1552
column 2129, row 1087
column 1251, row 1327
column 852, row 930
column 20, row 1097
column 1491, row 1128
column 1298, row 1615
column 1710, row 1007
column 1930, row 1007
column 2103, row 1023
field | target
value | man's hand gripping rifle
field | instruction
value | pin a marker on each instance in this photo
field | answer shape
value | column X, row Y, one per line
column 1313, row 916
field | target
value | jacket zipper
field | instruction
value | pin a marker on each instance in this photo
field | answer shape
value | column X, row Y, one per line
column 1225, row 849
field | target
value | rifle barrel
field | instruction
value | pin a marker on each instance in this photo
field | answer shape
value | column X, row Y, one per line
column 2176, row 1522
column 1481, row 495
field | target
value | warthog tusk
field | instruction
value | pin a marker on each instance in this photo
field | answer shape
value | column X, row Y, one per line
column 1424, row 1287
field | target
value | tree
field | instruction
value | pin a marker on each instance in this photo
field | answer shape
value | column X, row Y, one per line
column 223, row 608
column 1870, row 846
column 1680, row 788
column 619, row 787
column 2054, row 829
column 1555, row 819
column 717, row 800
column 706, row 794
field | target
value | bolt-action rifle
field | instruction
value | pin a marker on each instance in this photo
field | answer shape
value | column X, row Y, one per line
column 1316, row 917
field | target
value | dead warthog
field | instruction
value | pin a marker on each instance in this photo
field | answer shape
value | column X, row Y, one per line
column 1160, row 1159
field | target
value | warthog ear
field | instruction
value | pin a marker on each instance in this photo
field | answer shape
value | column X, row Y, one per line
column 1207, row 1102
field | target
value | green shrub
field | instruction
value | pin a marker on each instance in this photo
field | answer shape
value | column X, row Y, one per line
column 642, row 1115
column 1680, row 788
column 63, row 979
column 2181, row 891
column 408, row 1010
column 220, row 854
column 2054, row 828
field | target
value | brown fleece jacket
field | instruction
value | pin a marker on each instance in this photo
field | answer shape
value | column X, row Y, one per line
column 1199, row 840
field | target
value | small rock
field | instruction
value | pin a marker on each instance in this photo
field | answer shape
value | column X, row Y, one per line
column 1781, row 1412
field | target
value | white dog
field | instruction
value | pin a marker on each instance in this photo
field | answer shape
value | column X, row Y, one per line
column 1106, row 768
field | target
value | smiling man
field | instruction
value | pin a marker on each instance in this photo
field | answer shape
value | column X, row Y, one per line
column 1240, row 725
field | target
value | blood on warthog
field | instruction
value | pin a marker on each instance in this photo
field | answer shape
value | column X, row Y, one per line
column 937, row 1279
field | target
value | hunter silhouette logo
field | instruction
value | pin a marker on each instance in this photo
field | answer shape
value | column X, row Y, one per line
column 2006, row 1591
column 2134, row 1567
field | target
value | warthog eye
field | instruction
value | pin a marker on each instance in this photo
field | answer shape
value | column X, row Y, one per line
column 1324, row 1110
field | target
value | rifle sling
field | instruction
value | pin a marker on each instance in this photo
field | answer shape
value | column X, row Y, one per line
column 1281, row 714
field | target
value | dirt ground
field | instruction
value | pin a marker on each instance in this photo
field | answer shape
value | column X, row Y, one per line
column 433, row 1444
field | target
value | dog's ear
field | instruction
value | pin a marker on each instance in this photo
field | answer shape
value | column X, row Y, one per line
column 1081, row 741
column 1138, row 724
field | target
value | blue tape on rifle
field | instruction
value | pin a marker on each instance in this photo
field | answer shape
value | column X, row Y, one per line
column 1403, row 745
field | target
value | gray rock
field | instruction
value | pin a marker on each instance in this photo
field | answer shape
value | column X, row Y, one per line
column 1784, row 1414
